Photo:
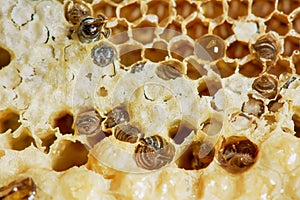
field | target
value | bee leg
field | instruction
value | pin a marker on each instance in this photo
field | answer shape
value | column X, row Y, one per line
column 106, row 32
column 101, row 17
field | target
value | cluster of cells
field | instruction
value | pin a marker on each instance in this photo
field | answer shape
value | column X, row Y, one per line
column 205, row 32
column 188, row 39
column 194, row 19
column 236, row 154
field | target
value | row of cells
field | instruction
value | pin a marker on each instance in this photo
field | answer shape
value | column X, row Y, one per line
column 117, row 123
column 235, row 155
column 195, row 28
column 133, row 55
column 184, row 8
column 152, row 152
column 277, row 21
column 214, row 45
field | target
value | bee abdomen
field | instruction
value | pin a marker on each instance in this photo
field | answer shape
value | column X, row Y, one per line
column 153, row 152
column 127, row 133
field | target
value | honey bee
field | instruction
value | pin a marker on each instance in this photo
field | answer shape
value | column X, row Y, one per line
column 153, row 152
column 88, row 122
column 169, row 70
column 237, row 154
column 23, row 188
column 75, row 11
column 127, row 133
column 267, row 47
column 90, row 29
column 266, row 85
column 116, row 116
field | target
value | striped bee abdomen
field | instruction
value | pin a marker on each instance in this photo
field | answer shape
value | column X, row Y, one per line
column 127, row 133
column 153, row 152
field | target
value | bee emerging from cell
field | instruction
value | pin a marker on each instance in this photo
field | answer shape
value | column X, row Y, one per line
column 91, row 29
column 267, row 47
column 237, row 154
column 87, row 28
column 153, row 152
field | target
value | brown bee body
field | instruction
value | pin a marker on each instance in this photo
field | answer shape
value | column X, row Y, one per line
column 75, row 11
column 127, row 133
column 88, row 122
column 153, row 152
column 19, row 189
column 267, row 47
column 266, row 85
column 169, row 70
column 90, row 29
column 116, row 116
column 237, row 154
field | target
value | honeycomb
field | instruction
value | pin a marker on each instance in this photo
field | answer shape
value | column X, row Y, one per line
column 148, row 99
